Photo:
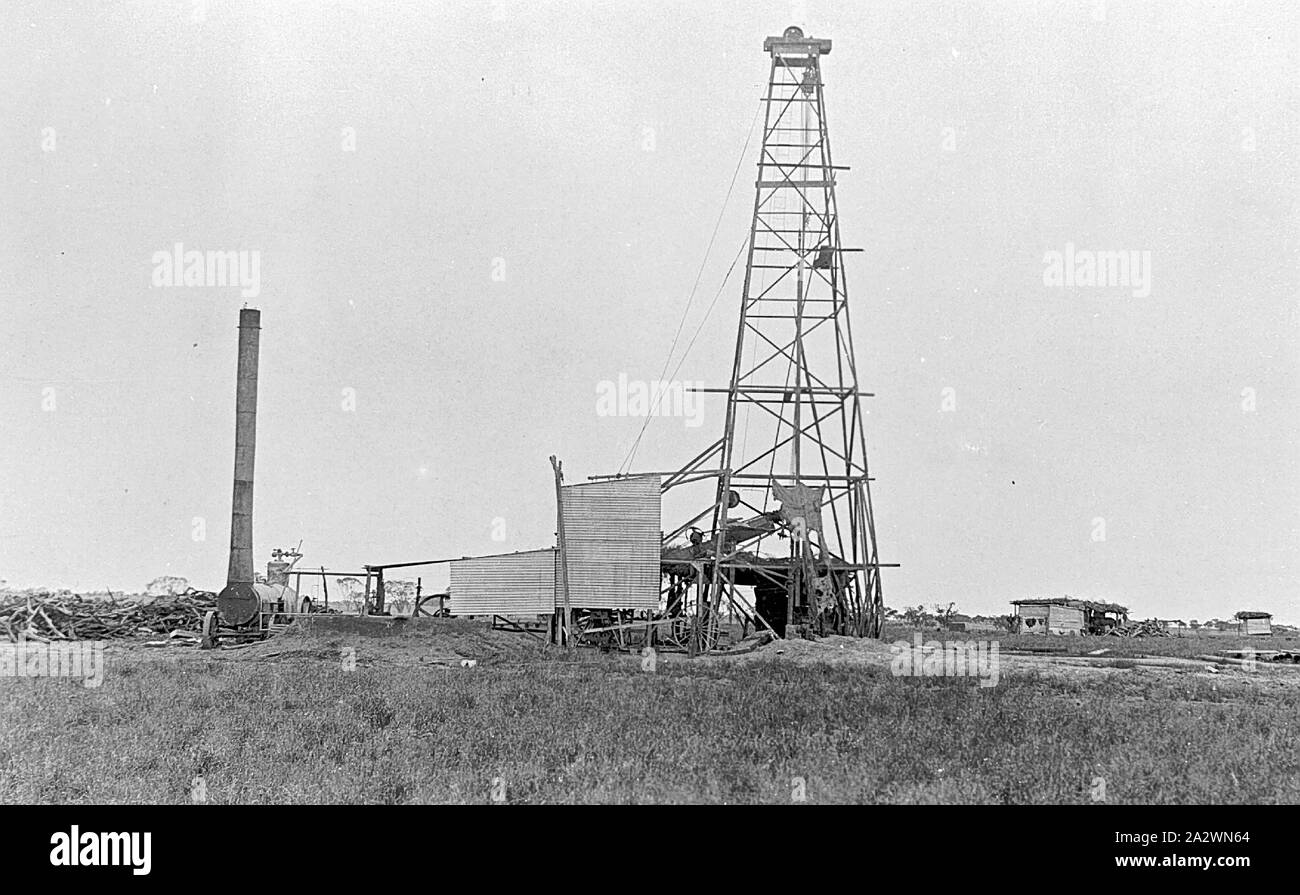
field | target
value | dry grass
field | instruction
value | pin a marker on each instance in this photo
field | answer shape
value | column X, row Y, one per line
column 287, row 723
column 1178, row 646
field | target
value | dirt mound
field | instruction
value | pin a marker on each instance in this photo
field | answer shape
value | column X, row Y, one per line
column 360, row 625
column 394, row 641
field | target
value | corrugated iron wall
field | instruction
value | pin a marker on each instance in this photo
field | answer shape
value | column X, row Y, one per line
column 516, row 584
column 612, row 539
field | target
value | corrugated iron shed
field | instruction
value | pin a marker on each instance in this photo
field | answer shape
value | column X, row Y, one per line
column 508, row 584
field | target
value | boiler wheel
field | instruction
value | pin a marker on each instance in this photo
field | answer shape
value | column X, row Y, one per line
column 208, row 633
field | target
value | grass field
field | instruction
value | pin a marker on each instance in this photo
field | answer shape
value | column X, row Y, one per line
column 1181, row 645
column 285, row 722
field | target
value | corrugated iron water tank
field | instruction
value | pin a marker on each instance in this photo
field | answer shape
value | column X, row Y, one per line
column 612, row 543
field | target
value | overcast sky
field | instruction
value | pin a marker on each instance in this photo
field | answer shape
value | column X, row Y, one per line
column 467, row 216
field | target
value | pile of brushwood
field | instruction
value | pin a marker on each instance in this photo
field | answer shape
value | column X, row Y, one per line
column 48, row 616
column 1139, row 629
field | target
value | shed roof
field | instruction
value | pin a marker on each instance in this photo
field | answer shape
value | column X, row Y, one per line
column 1094, row 605
column 1251, row 613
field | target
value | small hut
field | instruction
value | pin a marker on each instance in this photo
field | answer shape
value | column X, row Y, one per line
column 1049, row 615
column 1251, row 622
column 1066, row 615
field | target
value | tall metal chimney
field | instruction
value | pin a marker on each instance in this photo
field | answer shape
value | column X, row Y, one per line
column 237, row 602
column 241, row 510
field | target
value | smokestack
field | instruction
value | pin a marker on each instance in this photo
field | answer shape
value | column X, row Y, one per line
column 241, row 511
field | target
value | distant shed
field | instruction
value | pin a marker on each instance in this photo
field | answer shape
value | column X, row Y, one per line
column 1066, row 615
column 1250, row 622
column 1049, row 615
column 956, row 622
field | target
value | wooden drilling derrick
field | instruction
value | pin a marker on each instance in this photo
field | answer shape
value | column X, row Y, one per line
column 803, row 535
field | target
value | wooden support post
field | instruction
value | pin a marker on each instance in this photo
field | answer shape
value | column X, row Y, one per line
column 726, row 583
column 325, row 584
column 791, row 586
column 564, row 558
column 694, row 646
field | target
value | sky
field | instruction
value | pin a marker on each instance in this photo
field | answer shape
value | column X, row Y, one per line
column 467, row 216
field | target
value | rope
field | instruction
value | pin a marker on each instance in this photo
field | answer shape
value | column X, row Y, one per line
column 689, row 345
column 690, row 300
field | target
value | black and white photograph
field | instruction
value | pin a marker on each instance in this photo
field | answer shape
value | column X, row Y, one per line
column 626, row 402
